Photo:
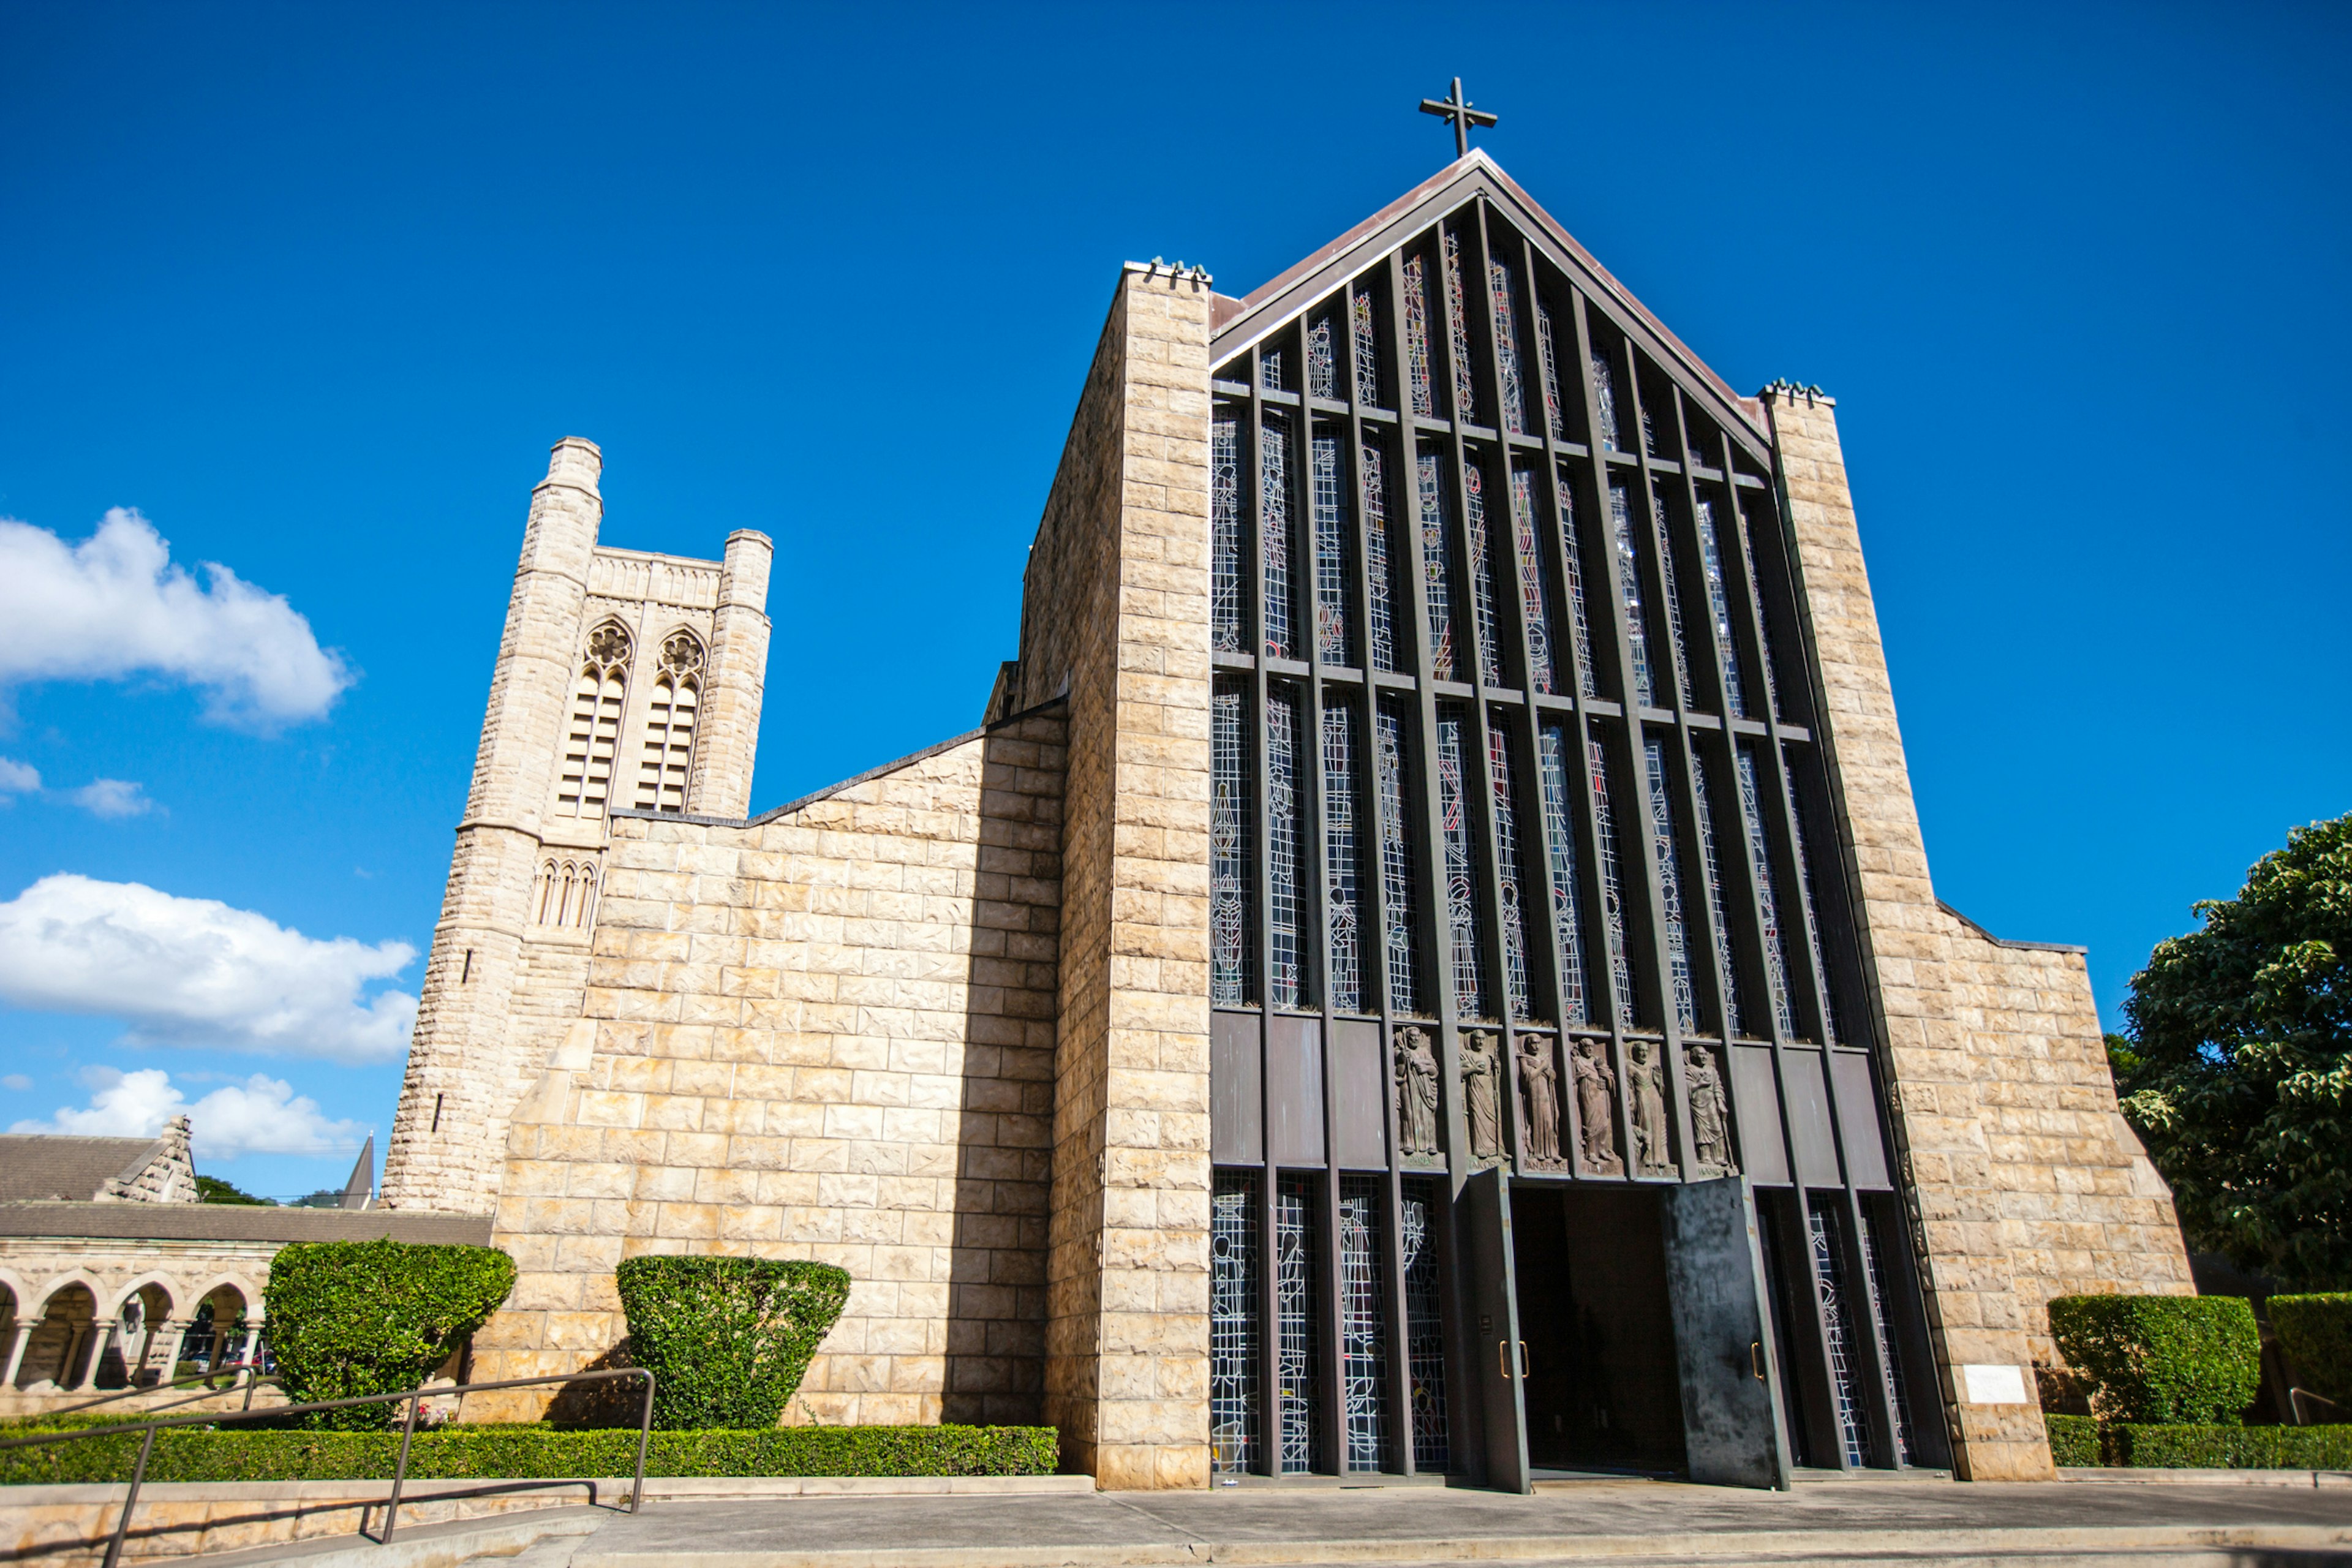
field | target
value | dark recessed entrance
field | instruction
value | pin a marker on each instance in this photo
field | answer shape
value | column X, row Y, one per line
column 1603, row 1388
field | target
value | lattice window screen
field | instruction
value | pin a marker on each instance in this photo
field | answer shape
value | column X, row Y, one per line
column 1230, row 809
column 1629, row 582
column 1396, row 859
column 1330, row 479
column 1235, row 1281
column 1534, row 586
column 1425, row 1327
column 1572, row 544
column 1612, row 894
column 1837, row 1326
column 1718, row 604
column 1297, row 1248
column 1482, row 574
column 592, row 738
column 1873, row 1255
column 1287, row 981
column 1510, row 917
column 1342, row 909
column 1670, row 884
column 669, row 755
column 1461, row 867
column 1559, row 843
column 1363, row 1335
column 1727, row 972
column 1437, row 563
column 1760, row 857
column 1385, row 593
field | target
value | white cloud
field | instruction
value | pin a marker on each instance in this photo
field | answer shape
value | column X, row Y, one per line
column 260, row 1116
column 196, row 972
column 114, row 606
column 111, row 798
column 17, row 778
column 16, row 1083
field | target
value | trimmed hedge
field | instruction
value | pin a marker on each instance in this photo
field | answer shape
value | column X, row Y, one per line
column 2074, row 1439
column 2315, row 1331
column 2162, row 1358
column 2230, row 1448
column 524, row 1452
column 727, row 1339
column 353, row 1318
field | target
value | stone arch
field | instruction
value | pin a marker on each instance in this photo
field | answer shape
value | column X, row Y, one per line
column 212, row 1335
column 58, row 1349
column 135, row 1329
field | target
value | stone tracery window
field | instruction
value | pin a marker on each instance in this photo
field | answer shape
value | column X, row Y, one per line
column 668, row 753
column 564, row 893
column 593, row 734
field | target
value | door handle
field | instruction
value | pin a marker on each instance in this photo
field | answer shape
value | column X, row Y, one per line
column 1756, row 1358
column 1524, row 1360
column 1503, row 1359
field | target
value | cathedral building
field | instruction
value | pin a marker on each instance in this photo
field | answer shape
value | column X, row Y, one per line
column 1426, row 964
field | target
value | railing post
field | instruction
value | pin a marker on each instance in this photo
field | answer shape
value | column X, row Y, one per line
column 130, row 1501
column 400, row 1470
column 644, row 1431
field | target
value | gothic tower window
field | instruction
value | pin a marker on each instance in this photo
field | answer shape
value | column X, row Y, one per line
column 668, row 753
column 595, row 733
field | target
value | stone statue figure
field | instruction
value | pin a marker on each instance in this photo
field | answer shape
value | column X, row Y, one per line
column 1596, row 1108
column 1710, row 1116
column 1539, row 1088
column 1650, row 1148
column 1416, row 1092
column 1482, row 1093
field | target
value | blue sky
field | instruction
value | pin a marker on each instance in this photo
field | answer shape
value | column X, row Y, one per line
column 313, row 288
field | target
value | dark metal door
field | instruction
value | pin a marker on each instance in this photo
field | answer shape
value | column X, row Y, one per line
column 1732, row 1425
column 1495, row 1329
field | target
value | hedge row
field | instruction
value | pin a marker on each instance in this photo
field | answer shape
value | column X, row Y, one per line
column 2074, row 1439
column 2079, row 1440
column 524, row 1452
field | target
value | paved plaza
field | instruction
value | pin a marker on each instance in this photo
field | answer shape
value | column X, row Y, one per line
column 1591, row 1522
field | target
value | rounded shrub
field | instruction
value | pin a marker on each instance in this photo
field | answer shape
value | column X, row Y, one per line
column 727, row 1339
column 2315, row 1331
column 2162, row 1358
column 347, row 1318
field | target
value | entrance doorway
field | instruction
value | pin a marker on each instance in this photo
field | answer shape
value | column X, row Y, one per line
column 1602, row 1387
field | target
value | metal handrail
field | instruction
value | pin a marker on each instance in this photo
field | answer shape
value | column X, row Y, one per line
column 415, row 1397
column 2295, row 1397
column 231, row 1387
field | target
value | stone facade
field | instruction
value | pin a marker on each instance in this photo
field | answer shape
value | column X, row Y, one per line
column 507, row 969
column 1116, row 612
column 947, row 1025
column 2023, row 1179
column 827, row 1033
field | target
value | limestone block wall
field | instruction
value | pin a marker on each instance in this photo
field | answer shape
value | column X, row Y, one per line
column 1116, row 613
column 2023, row 1182
column 2083, row 1210
column 826, row 1034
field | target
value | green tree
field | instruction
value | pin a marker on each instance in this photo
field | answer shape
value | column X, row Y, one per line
column 2237, row 1067
column 213, row 1190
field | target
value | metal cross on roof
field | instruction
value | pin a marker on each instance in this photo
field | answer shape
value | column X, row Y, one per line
column 1457, row 109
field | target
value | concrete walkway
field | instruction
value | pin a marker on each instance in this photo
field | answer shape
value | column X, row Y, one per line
column 1589, row 1523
